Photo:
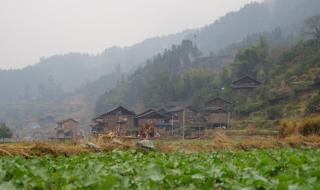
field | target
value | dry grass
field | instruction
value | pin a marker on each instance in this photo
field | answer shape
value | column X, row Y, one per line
column 219, row 141
column 307, row 127
column 28, row 149
column 222, row 141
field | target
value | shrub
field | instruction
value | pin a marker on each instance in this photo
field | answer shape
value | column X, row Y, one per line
column 302, row 85
column 274, row 112
column 5, row 132
column 249, row 107
column 280, row 94
column 316, row 81
column 306, row 127
column 310, row 126
column 314, row 105
column 288, row 127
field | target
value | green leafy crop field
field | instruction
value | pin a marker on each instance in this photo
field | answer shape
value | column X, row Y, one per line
column 255, row 169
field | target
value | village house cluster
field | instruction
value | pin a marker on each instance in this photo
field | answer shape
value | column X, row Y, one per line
column 172, row 120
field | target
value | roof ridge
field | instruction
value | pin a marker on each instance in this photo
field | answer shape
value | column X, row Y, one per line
column 246, row 76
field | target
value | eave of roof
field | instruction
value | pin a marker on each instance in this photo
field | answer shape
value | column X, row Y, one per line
column 244, row 86
column 247, row 77
column 130, row 113
column 219, row 98
column 66, row 120
column 148, row 115
column 145, row 112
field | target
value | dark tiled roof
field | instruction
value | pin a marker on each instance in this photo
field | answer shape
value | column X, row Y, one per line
column 219, row 98
column 66, row 120
column 151, row 114
column 117, row 111
column 145, row 112
column 256, row 82
column 181, row 108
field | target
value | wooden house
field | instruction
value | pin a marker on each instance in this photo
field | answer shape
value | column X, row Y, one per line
column 246, row 83
column 218, row 112
column 68, row 129
column 167, row 114
column 152, row 123
column 119, row 120
column 154, row 117
column 183, row 115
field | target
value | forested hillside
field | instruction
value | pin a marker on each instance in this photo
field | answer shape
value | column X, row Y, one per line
column 289, row 77
column 160, row 81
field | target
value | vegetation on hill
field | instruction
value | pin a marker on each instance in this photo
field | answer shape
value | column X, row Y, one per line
column 167, row 77
column 289, row 76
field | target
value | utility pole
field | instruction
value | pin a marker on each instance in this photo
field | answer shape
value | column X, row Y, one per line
column 183, row 122
column 172, row 124
column 228, row 120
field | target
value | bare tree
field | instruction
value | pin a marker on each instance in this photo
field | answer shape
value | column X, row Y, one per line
column 313, row 24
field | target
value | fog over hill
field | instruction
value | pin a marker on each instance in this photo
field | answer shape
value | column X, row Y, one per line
column 54, row 77
column 72, row 70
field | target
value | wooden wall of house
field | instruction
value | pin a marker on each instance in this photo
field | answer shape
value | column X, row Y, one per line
column 245, row 93
column 70, row 129
column 111, row 122
column 189, row 117
column 216, row 118
column 148, row 121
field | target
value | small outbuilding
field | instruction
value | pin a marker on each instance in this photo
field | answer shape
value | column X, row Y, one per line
column 68, row 129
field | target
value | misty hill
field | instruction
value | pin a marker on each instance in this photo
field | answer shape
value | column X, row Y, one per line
column 280, row 21
column 60, row 85
column 70, row 71
column 255, row 18
column 73, row 70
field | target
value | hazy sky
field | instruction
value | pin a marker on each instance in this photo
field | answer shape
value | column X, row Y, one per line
column 30, row 29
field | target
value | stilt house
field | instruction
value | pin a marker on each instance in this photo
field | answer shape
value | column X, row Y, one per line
column 218, row 112
column 183, row 115
column 119, row 120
